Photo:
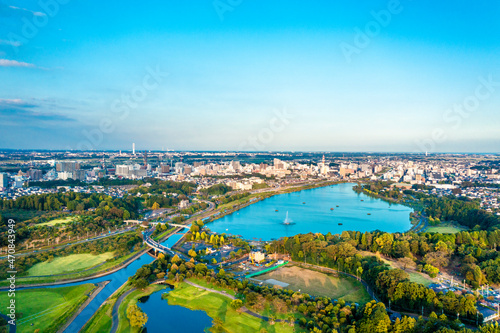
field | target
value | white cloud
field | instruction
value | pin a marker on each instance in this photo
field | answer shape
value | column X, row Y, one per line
column 17, row 101
column 14, row 63
column 10, row 42
column 27, row 10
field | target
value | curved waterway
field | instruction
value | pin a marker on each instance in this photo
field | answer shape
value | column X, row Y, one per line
column 117, row 279
column 163, row 317
column 310, row 211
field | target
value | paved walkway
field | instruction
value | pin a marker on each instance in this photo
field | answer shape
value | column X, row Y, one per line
column 114, row 313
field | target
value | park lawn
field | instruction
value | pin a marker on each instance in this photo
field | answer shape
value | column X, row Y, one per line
column 63, row 220
column 319, row 284
column 71, row 263
column 46, row 308
column 420, row 278
column 445, row 229
column 216, row 305
column 133, row 298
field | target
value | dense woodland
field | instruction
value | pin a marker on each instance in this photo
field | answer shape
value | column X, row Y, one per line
column 219, row 189
column 317, row 314
column 107, row 212
column 341, row 253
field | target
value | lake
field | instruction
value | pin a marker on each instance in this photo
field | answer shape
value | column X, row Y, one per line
column 310, row 211
column 163, row 317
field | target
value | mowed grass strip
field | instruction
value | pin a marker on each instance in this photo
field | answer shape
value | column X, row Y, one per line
column 319, row 284
column 71, row 263
column 46, row 308
column 218, row 306
column 63, row 220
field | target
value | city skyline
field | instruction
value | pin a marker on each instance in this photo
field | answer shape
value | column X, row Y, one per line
column 251, row 76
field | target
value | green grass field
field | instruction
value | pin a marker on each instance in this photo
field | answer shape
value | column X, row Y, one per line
column 71, row 263
column 216, row 305
column 63, row 220
column 444, row 229
column 46, row 308
column 319, row 284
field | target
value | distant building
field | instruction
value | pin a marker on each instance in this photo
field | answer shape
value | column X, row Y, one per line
column 183, row 204
column 4, row 180
column 488, row 314
column 257, row 256
column 35, row 174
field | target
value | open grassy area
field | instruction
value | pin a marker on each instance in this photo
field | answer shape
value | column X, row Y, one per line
column 319, row 284
column 445, row 228
column 71, row 263
column 46, row 308
column 420, row 278
column 216, row 305
column 100, row 321
column 63, row 220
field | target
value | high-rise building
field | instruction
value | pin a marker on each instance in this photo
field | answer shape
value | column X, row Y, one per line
column 4, row 180
column 133, row 148
column 122, row 170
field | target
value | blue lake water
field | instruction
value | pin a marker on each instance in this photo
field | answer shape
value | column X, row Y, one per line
column 261, row 221
column 163, row 317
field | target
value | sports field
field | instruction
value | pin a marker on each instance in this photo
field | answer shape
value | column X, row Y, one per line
column 63, row 220
column 71, row 263
column 319, row 284
column 46, row 308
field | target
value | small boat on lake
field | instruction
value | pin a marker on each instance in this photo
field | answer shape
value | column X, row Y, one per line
column 276, row 210
column 331, row 208
column 340, row 223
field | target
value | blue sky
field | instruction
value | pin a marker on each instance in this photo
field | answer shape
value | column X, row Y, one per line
column 79, row 75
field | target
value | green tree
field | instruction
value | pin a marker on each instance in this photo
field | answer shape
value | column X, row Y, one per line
column 136, row 317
